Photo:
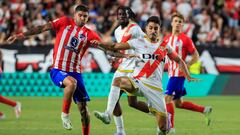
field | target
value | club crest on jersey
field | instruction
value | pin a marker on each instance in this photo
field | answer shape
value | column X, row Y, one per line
column 81, row 36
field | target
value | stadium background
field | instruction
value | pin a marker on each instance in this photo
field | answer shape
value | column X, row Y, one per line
column 212, row 24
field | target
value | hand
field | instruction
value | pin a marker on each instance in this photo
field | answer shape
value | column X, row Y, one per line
column 13, row 38
column 190, row 79
column 95, row 43
column 113, row 61
column 128, row 56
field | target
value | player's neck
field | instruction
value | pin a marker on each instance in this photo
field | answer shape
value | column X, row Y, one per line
column 175, row 33
column 124, row 25
column 152, row 40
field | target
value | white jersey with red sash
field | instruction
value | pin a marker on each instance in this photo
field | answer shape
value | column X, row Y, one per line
column 132, row 31
column 150, row 66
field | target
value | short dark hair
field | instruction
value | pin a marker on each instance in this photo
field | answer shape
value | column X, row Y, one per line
column 81, row 8
column 177, row 14
column 130, row 13
column 154, row 19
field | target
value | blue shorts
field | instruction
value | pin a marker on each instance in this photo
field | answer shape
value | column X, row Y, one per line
column 175, row 87
column 80, row 94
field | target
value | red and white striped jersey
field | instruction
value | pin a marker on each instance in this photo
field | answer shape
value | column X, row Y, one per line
column 71, row 44
column 132, row 31
column 183, row 45
column 150, row 64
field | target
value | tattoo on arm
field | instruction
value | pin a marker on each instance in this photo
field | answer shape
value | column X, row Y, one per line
column 116, row 54
column 38, row 29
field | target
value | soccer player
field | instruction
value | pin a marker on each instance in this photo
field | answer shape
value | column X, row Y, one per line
column 146, row 79
column 127, row 30
column 183, row 45
column 72, row 40
column 16, row 105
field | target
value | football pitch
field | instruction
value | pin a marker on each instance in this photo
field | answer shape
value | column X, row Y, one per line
column 41, row 116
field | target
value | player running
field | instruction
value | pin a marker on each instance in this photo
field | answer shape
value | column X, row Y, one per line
column 183, row 45
column 72, row 40
column 146, row 79
column 126, row 31
column 15, row 104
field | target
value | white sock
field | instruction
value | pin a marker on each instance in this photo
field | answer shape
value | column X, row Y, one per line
column 119, row 124
column 112, row 99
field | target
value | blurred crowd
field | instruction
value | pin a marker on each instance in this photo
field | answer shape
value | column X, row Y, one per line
column 208, row 22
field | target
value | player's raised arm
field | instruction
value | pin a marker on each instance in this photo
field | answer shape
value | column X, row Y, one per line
column 111, row 46
column 31, row 31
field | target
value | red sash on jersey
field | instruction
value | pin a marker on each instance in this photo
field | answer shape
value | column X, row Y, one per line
column 148, row 69
column 126, row 37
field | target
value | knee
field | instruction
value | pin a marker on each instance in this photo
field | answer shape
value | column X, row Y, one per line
column 117, row 81
column 123, row 82
column 72, row 84
column 178, row 105
column 168, row 99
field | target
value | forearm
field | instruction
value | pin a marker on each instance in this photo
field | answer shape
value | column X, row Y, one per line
column 184, row 68
column 107, row 46
column 38, row 29
column 194, row 59
column 116, row 54
column 33, row 31
column 113, row 53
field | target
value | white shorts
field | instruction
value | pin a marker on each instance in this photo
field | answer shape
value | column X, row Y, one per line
column 120, row 74
column 155, row 98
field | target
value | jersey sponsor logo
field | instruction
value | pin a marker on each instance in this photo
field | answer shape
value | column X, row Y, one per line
column 152, row 56
column 74, row 42
column 82, row 37
column 148, row 69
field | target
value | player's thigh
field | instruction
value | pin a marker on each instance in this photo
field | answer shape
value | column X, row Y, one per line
column 58, row 77
column 126, row 84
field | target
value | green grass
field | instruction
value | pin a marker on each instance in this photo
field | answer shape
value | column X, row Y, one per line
column 41, row 116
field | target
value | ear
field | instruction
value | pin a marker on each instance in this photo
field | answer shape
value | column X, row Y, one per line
column 172, row 23
column 146, row 28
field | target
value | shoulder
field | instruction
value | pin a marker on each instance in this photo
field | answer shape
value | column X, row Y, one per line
column 91, row 33
column 166, row 38
column 184, row 37
column 136, row 41
column 63, row 21
column 134, row 27
column 117, row 30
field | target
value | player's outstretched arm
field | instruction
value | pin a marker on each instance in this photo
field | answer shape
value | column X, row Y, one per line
column 31, row 31
column 116, row 54
column 111, row 46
